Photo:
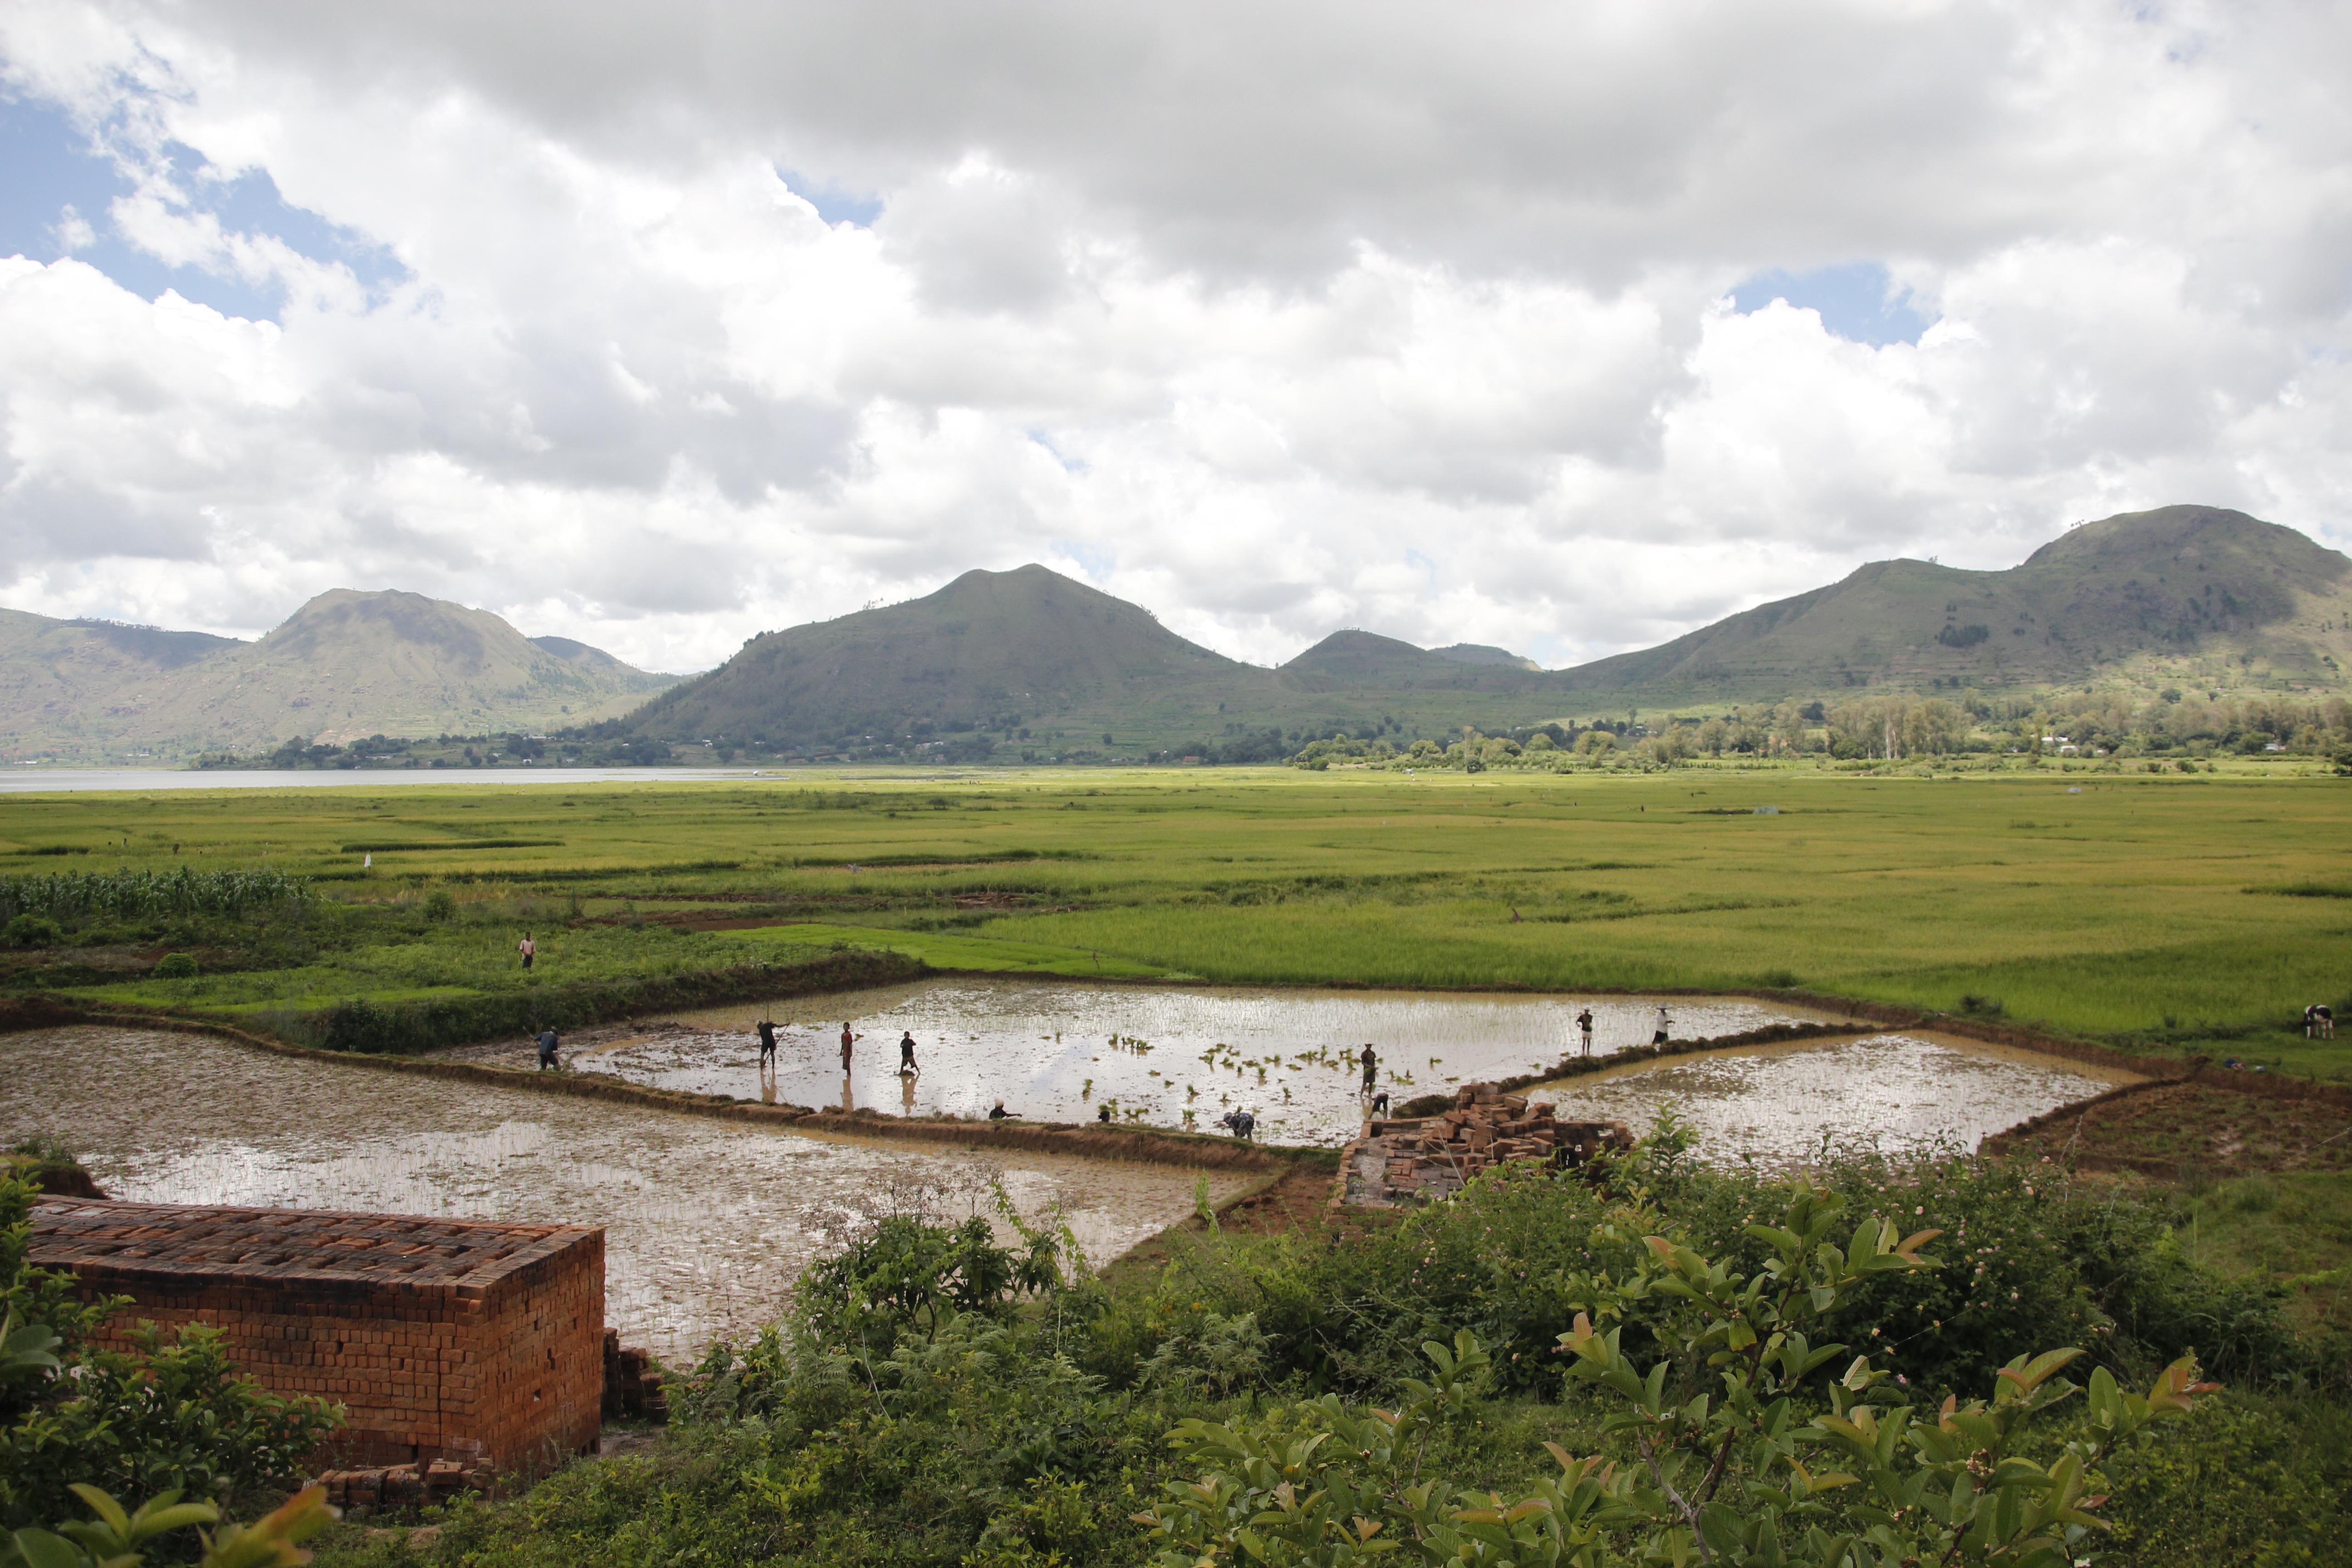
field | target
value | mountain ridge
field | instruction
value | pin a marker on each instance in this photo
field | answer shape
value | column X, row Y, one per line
column 345, row 665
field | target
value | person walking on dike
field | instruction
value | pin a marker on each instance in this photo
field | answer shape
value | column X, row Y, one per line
column 906, row 1067
column 766, row 1029
column 547, row 1045
column 847, row 1040
column 528, row 948
column 1371, row 1061
column 1658, row 1035
column 1584, row 1023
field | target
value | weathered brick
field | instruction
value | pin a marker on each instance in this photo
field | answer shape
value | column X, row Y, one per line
column 465, row 1339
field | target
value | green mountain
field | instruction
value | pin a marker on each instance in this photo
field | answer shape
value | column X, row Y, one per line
column 1028, row 663
column 1365, row 662
column 2183, row 593
column 345, row 666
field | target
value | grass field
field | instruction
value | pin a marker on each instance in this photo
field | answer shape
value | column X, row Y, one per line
column 2174, row 911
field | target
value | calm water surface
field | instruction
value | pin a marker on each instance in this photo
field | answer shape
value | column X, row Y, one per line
column 1064, row 1052
column 707, row 1223
column 1896, row 1093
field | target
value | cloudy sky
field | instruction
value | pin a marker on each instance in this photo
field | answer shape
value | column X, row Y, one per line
column 1564, row 327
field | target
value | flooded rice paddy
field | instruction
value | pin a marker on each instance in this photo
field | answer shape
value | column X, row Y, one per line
column 707, row 1223
column 1164, row 1058
column 1899, row 1093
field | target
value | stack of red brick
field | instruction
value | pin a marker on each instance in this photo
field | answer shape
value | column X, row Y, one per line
column 458, row 1340
column 633, row 1384
column 1421, row 1159
column 403, row 1486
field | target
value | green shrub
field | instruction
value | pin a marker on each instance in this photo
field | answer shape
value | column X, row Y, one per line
column 32, row 931
column 440, row 906
column 175, row 966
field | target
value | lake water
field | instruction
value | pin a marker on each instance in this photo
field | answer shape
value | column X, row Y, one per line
column 1064, row 1052
column 28, row 780
column 707, row 1223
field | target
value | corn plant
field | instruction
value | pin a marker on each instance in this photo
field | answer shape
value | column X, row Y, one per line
column 138, row 895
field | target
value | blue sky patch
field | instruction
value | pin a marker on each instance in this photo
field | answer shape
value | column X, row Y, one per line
column 55, row 177
column 833, row 203
column 1856, row 300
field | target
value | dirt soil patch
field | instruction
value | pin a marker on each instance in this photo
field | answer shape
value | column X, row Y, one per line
column 2195, row 1128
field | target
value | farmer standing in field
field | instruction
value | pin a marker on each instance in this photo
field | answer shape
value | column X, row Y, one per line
column 1584, row 1023
column 766, row 1029
column 1371, row 1061
column 907, row 1067
column 547, row 1045
column 528, row 948
column 847, row 1040
column 1658, row 1035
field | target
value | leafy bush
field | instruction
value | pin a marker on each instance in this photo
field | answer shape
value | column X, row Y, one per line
column 175, row 966
column 32, row 931
column 439, row 905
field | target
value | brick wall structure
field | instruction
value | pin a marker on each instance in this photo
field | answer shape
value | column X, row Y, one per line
column 457, row 1340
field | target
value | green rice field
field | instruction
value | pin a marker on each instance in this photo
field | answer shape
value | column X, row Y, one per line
column 2174, row 912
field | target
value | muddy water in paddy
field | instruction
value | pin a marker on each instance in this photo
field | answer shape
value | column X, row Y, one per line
column 1900, row 1092
column 1060, row 1052
column 707, row 1223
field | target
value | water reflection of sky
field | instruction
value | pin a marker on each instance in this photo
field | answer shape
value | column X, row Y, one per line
column 1062, row 1052
column 707, row 1223
column 1774, row 1104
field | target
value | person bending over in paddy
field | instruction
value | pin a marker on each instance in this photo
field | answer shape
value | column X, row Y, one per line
column 528, row 948
column 1240, row 1123
column 998, row 1114
column 766, row 1030
column 907, row 1067
column 547, row 1048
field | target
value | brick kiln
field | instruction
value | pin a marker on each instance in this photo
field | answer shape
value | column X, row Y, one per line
column 479, row 1343
column 1424, row 1158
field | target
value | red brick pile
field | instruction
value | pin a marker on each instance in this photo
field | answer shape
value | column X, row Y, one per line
column 477, row 1343
column 403, row 1486
column 1424, row 1159
column 633, row 1384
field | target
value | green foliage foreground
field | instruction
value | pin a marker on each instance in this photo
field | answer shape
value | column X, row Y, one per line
column 1866, row 1367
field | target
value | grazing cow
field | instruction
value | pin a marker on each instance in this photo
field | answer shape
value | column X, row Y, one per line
column 2319, row 1022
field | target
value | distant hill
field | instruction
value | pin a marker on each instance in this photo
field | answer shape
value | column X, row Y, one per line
column 345, row 666
column 1028, row 663
column 2189, row 593
column 1362, row 661
column 989, row 645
